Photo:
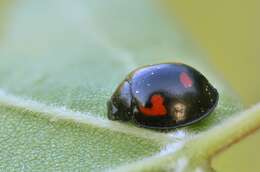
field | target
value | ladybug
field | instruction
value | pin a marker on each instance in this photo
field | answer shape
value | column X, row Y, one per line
column 163, row 96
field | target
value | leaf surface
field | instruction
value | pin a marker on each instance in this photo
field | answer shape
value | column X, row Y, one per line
column 61, row 61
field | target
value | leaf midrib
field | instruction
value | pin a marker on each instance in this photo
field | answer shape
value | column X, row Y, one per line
column 204, row 146
column 56, row 113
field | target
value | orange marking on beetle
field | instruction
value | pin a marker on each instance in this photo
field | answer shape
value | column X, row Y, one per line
column 157, row 108
column 185, row 80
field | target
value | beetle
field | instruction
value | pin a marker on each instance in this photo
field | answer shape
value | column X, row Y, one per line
column 163, row 96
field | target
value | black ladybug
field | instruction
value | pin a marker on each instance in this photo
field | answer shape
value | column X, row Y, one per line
column 163, row 96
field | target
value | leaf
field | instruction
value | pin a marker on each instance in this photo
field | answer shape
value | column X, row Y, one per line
column 196, row 154
column 239, row 157
column 61, row 61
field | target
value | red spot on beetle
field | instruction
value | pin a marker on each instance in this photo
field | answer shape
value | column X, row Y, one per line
column 185, row 80
column 157, row 108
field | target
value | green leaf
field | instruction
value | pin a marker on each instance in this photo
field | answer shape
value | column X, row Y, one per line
column 239, row 157
column 197, row 153
column 60, row 63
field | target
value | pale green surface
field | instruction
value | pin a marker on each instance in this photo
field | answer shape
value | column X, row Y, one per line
column 197, row 152
column 30, row 142
column 73, row 55
column 241, row 157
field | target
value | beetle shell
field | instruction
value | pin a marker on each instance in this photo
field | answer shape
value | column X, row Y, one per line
column 163, row 96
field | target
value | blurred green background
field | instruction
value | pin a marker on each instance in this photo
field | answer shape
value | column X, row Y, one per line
column 229, row 32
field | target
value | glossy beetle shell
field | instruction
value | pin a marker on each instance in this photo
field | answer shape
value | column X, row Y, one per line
column 163, row 96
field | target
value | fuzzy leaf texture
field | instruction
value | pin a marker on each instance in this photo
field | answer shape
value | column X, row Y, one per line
column 60, row 63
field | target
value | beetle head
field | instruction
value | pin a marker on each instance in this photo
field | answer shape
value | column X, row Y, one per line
column 119, row 106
